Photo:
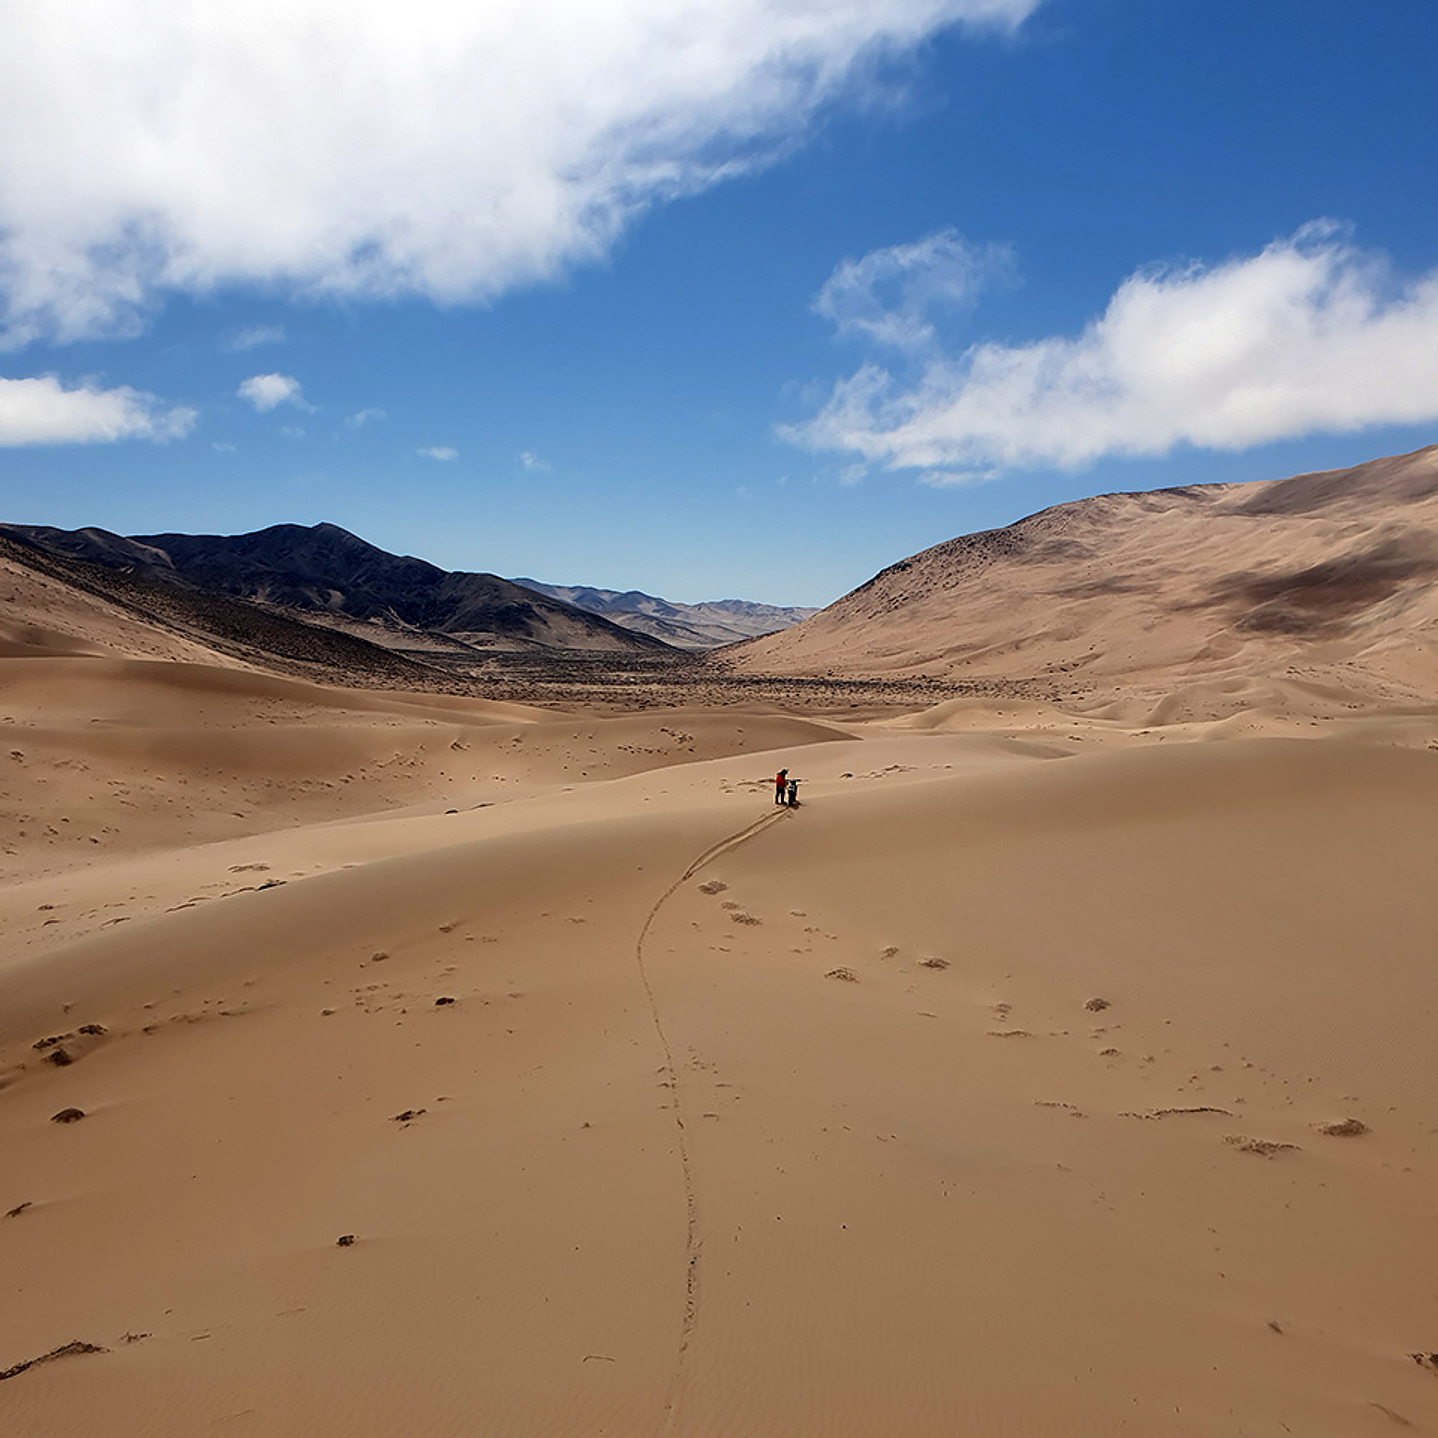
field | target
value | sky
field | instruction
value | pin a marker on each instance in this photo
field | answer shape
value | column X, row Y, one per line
column 708, row 298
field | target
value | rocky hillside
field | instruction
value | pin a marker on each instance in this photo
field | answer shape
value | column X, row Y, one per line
column 324, row 573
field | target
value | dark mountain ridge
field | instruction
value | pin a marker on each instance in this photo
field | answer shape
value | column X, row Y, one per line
column 330, row 575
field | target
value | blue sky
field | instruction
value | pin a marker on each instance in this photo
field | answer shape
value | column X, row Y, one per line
column 741, row 299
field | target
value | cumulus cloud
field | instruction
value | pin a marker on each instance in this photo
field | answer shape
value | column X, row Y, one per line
column 891, row 295
column 532, row 461
column 42, row 411
column 438, row 451
column 1312, row 335
column 362, row 417
column 266, row 391
column 373, row 148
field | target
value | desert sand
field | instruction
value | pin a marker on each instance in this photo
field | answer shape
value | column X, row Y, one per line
column 376, row 1063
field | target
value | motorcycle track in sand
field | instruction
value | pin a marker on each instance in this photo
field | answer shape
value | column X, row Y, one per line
column 669, row 1413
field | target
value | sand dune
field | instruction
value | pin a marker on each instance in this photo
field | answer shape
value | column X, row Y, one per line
column 982, row 1093
column 1325, row 576
column 376, row 1062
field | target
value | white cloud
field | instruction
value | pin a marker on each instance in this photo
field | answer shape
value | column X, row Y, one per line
column 958, row 478
column 889, row 295
column 532, row 461
column 254, row 336
column 1310, row 336
column 438, row 451
column 221, row 447
column 360, row 418
column 266, row 391
column 374, row 148
column 42, row 411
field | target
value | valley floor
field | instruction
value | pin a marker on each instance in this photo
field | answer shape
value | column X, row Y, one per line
column 1043, row 1073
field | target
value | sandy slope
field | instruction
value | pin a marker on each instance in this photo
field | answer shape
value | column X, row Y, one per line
column 983, row 1093
column 1322, row 577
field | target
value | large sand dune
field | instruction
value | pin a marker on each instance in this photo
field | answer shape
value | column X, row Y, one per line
column 1325, row 576
column 1054, row 1069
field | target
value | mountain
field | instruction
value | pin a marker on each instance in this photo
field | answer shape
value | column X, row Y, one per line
column 55, row 603
column 1293, row 580
column 686, row 626
column 328, row 575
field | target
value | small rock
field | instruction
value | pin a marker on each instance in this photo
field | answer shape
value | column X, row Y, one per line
column 1260, row 1147
column 60, row 1058
column 18, row 1209
column 408, row 1116
column 68, row 1115
column 345, row 1240
column 1344, row 1128
column 93, row 1029
column 847, row 975
column 1096, row 1006
column 444, row 999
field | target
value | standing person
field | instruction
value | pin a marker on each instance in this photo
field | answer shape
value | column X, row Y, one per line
column 781, row 785
column 793, row 793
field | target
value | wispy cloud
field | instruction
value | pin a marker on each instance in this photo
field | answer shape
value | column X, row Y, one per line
column 892, row 295
column 362, row 417
column 255, row 336
column 221, row 447
column 438, row 451
column 1310, row 336
column 532, row 461
column 379, row 149
column 267, row 391
column 42, row 411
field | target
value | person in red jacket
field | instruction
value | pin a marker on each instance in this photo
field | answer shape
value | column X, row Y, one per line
column 781, row 785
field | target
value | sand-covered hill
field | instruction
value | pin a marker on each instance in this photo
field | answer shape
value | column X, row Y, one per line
column 1323, row 577
column 325, row 574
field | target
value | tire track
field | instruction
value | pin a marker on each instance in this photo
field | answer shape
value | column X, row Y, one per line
column 670, row 1410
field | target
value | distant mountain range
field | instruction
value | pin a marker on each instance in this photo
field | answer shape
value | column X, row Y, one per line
column 686, row 626
column 325, row 575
